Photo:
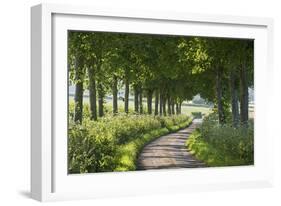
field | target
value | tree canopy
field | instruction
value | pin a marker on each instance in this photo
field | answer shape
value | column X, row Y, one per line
column 166, row 70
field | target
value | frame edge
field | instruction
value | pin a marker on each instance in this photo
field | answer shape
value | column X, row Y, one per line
column 36, row 118
column 38, row 17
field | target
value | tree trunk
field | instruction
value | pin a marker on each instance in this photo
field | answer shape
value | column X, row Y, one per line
column 100, row 87
column 140, row 101
column 136, row 98
column 169, row 105
column 219, row 94
column 177, row 108
column 161, row 104
column 114, row 94
column 149, row 101
column 100, row 99
column 173, row 106
column 164, row 106
column 180, row 107
column 78, row 98
column 127, row 84
column 234, row 98
column 244, row 98
column 92, row 94
column 156, row 102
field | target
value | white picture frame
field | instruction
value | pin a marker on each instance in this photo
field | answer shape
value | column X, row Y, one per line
column 49, row 178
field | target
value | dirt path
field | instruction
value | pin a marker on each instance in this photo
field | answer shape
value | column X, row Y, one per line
column 169, row 151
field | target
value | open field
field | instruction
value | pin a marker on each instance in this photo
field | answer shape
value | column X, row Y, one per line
column 186, row 109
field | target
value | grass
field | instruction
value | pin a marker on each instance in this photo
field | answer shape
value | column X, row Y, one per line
column 186, row 109
column 210, row 155
column 128, row 153
column 225, row 145
column 113, row 142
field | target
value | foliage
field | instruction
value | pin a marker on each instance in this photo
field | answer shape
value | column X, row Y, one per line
column 99, row 146
column 174, row 67
column 222, row 145
column 197, row 115
column 170, row 70
column 89, row 149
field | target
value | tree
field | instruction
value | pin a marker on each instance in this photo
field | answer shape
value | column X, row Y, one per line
column 92, row 93
column 156, row 104
column 166, row 69
column 76, row 67
column 114, row 93
column 246, row 78
column 234, row 97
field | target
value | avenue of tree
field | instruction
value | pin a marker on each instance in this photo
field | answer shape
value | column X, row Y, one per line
column 165, row 70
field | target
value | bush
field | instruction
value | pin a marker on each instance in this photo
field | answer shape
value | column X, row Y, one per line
column 96, row 146
column 170, row 121
column 223, row 145
column 89, row 149
column 125, row 127
column 86, row 110
column 197, row 115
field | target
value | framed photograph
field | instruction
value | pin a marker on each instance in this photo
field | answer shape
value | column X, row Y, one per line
column 137, row 102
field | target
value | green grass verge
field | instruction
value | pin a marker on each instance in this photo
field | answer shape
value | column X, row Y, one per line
column 128, row 153
column 207, row 153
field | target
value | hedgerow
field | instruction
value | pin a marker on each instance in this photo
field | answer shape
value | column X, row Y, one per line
column 101, row 146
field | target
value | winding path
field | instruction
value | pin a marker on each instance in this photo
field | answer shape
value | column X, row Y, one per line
column 169, row 151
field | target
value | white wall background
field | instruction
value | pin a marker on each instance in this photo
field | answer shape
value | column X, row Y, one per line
column 15, row 101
